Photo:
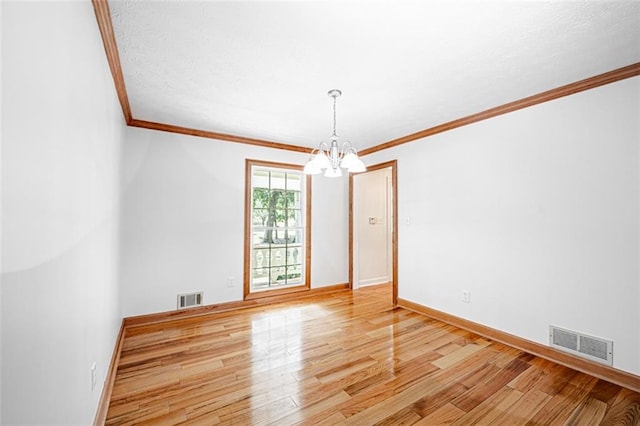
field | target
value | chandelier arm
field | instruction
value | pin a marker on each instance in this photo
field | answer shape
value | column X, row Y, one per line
column 312, row 154
column 347, row 147
column 324, row 146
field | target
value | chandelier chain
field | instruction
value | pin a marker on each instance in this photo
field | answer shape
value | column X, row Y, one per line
column 334, row 115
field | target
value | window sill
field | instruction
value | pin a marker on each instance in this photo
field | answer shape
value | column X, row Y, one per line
column 276, row 292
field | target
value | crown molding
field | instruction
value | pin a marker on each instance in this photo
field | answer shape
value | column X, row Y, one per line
column 103, row 16
column 214, row 135
column 559, row 92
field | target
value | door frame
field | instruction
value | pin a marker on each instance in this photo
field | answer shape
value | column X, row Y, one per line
column 393, row 164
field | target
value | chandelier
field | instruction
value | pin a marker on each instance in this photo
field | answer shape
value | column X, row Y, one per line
column 330, row 157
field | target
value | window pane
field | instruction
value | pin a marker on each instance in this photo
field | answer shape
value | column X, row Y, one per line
column 294, row 218
column 278, row 180
column 294, row 181
column 295, row 237
column 294, row 274
column 290, row 238
column 275, row 236
column 279, row 216
column 294, row 255
column 260, row 280
column 259, row 217
column 260, row 178
column 293, row 199
column 261, row 238
column 260, row 198
column 278, row 256
column 261, row 259
column 278, row 275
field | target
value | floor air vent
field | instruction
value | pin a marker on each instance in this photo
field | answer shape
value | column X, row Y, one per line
column 592, row 348
column 189, row 300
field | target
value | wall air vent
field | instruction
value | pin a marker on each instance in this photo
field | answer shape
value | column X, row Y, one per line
column 189, row 300
column 589, row 347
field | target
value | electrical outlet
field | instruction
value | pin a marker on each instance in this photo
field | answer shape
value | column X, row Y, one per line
column 230, row 281
column 93, row 376
column 466, row 296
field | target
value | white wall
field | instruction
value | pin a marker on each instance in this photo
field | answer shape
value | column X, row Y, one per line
column 536, row 213
column 61, row 147
column 183, row 220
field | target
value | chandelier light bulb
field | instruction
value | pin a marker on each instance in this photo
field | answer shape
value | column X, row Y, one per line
column 321, row 160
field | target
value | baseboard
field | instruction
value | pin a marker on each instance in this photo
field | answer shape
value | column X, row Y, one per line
column 610, row 374
column 229, row 306
column 374, row 281
column 105, row 397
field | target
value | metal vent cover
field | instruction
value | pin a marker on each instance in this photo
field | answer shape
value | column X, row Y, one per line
column 189, row 300
column 589, row 347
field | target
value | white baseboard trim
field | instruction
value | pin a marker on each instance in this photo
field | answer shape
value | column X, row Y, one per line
column 374, row 281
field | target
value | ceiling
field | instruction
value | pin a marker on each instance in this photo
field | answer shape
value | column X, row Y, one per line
column 262, row 69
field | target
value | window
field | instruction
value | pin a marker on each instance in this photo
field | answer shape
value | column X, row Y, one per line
column 277, row 233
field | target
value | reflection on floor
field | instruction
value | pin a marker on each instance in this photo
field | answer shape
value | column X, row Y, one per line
column 346, row 358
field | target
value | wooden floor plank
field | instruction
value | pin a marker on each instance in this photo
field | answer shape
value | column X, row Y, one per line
column 523, row 409
column 490, row 408
column 590, row 412
column 345, row 358
column 558, row 409
column 476, row 395
column 445, row 415
column 625, row 410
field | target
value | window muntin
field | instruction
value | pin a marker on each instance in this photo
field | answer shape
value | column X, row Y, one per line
column 277, row 221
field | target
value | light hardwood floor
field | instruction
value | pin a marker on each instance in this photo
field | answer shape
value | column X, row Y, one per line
column 346, row 358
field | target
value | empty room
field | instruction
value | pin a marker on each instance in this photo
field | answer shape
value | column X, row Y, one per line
column 320, row 212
